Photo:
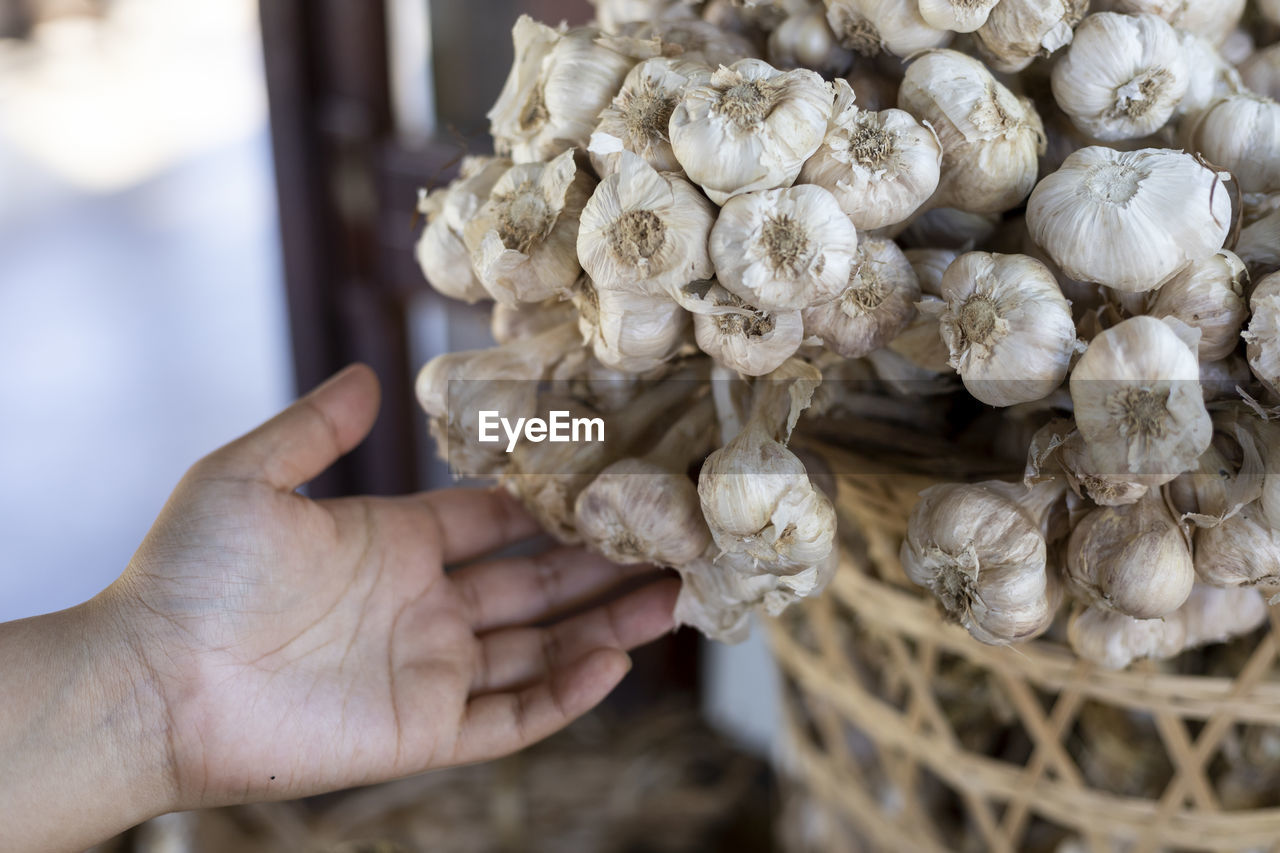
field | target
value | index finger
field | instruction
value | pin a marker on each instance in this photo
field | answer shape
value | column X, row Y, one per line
column 473, row 522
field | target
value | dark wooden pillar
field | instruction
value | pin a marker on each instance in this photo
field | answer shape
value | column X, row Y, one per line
column 328, row 89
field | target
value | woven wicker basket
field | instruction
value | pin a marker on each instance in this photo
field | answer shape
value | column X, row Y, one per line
column 909, row 735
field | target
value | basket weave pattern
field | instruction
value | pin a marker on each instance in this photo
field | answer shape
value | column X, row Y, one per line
column 881, row 742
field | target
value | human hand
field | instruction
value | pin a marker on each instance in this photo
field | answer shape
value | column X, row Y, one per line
column 290, row 647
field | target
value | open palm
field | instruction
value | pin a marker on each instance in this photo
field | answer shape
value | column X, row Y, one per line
column 303, row 646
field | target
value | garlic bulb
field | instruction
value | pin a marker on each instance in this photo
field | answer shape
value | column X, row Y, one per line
column 805, row 40
column 1136, row 393
column 630, row 332
column 783, row 250
column 983, row 556
column 645, row 232
column 453, row 388
column 990, row 137
column 512, row 322
column 880, row 166
column 1208, row 295
column 1085, row 478
column 1016, row 32
column 1261, row 72
column 440, row 251
column 645, row 510
column 1214, row 615
column 614, row 15
column 560, row 81
column 1122, row 77
column 1008, row 327
column 522, row 241
column 548, row 476
column 872, row 26
column 1259, row 243
column 959, row 16
column 1228, row 476
column 1263, row 334
column 1113, row 640
column 1241, row 551
column 695, row 40
column 742, row 337
column 1129, row 219
column 1210, row 19
column 930, row 265
column 751, row 127
column 1209, row 615
column 638, row 118
column 720, row 591
column 1133, row 559
column 1210, row 76
column 755, row 493
column 921, row 341
column 1242, row 134
column 877, row 303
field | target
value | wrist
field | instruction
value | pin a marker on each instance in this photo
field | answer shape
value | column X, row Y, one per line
column 83, row 741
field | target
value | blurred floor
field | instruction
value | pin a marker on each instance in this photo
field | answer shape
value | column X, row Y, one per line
column 142, row 320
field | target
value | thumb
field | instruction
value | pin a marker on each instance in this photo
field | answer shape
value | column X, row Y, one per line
column 302, row 441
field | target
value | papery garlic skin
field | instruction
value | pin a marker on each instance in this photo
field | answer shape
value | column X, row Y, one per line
column 1242, row 134
column 719, row 592
column 1008, row 327
column 1261, row 72
column 984, row 559
column 630, row 332
column 1133, row 559
column 745, row 339
column 870, row 27
column 990, row 138
column 1104, row 489
column 614, row 15
column 880, row 166
column 1241, row 551
column 1211, row 19
column 559, row 82
column 1138, row 405
column 523, row 240
column 958, row 16
column 1122, row 77
column 696, row 40
column 877, row 304
column 1214, row 615
column 1129, row 219
column 783, row 250
column 759, row 502
column 639, row 117
column 805, row 40
column 1263, row 334
column 635, row 511
column 750, row 128
column 1210, row 76
column 441, row 252
column 1208, row 295
column 510, row 323
column 1016, row 32
column 1113, row 640
column 645, row 232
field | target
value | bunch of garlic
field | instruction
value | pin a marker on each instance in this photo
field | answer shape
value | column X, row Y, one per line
column 701, row 210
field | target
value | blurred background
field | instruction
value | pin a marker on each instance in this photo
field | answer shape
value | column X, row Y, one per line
column 207, row 206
